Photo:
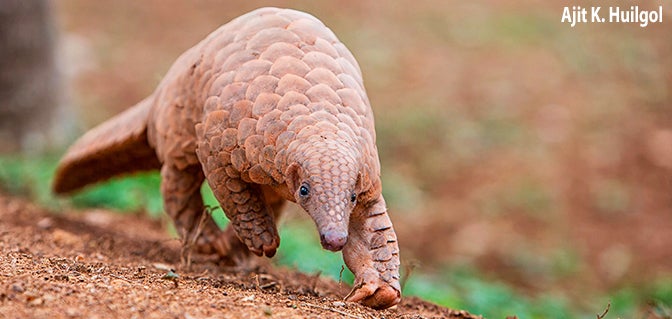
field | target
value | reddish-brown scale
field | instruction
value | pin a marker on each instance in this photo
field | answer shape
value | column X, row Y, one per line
column 269, row 108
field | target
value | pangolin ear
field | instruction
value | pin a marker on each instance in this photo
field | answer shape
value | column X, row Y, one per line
column 359, row 185
column 364, row 187
column 292, row 177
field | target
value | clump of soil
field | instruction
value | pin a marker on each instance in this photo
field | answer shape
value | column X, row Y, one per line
column 96, row 264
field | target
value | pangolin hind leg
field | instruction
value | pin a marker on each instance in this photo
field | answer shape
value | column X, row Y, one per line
column 181, row 190
column 182, row 197
column 372, row 254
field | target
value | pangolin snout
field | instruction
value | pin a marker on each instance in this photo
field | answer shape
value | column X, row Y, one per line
column 333, row 240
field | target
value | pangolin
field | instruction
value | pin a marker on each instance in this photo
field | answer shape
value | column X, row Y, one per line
column 269, row 108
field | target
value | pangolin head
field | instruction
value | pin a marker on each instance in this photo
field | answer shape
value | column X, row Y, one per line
column 325, row 179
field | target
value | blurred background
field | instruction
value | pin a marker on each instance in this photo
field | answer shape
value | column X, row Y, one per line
column 527, row 164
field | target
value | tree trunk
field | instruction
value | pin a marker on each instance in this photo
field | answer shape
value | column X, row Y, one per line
column 29, row 80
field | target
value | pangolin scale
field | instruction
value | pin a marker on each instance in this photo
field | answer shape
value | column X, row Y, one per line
column 269, row 108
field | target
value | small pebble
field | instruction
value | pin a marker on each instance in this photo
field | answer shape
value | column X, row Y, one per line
column 71, row 312
column 338, row 304
column 17, row 288
column 36, row 302
column 45, row 223
column 63, row 237
column 161, row 266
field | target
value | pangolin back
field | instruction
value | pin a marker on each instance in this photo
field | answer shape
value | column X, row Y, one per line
column 117, row 146
column 274, row 80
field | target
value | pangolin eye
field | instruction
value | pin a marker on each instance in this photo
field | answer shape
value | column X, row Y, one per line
column 304, row 190
column 353, row 197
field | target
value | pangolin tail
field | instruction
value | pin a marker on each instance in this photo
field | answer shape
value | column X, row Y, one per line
column 116, row 146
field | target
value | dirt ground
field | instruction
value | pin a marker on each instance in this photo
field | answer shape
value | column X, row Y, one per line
column 96, row 264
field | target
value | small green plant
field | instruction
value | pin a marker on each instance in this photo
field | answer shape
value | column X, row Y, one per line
column 300, row 248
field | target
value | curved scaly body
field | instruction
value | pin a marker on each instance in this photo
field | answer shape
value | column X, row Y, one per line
column 268, row 108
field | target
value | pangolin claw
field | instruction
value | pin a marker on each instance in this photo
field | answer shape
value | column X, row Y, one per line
column 373, row 292
column 266, row 250
column 264, row 245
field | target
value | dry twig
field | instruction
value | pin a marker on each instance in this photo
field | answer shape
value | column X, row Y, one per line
column 605, row 311
column 256, row 281
column 190, row 241
column 409, row 267
column 171, row 275
column 122, row 278
column 331, row 309
column 354, row 288
column 340, row 275
column 313, row 287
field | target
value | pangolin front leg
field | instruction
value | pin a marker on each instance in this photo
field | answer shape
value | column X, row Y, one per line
column 251, row 216
column 227, row 244
column 181, row 189
column 372, row 254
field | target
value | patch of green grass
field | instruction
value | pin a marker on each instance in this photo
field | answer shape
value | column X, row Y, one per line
column 457, row 288
column 633, row 301
column 32, row 177
column 661, row 291
column 209, row 200
column 465, row 288
column 462, row 288
column 28, row 176
column 300, row 248
column 133, row 193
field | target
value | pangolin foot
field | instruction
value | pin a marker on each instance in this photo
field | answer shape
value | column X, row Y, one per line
column 226, row 245
column 260, row 243
column 372, row 291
